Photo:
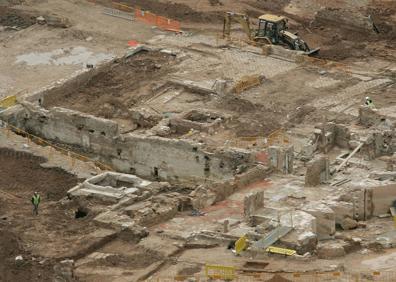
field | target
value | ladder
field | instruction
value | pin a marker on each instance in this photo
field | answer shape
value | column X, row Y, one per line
column 271, row 238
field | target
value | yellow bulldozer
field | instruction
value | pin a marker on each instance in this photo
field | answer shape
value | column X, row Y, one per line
column 272, row 29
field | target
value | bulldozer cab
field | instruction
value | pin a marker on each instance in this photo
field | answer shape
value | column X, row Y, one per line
column 270, row 27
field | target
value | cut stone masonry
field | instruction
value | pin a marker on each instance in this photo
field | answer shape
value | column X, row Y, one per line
column 281, row 159
column 148, row 156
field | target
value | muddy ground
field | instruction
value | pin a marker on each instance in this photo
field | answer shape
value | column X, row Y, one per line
column 22, row 233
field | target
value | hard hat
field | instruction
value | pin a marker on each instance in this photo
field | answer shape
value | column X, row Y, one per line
column 367, row 98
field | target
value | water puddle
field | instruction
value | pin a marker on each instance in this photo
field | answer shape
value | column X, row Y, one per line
column 65, row 56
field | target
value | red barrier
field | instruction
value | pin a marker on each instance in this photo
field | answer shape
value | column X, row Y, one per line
column 133, row 43
column 168, row 24
column 147, row 17
column 161, row 22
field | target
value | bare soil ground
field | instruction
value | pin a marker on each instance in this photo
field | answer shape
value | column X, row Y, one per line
column 27, row 235
column 346, row 35
column 45, row 239
column 21, row 173
column 14, row 18
column 107, row 35
column 177, row 11
column 114, row 90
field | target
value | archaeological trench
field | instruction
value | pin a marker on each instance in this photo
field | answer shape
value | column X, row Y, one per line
column 188, row 160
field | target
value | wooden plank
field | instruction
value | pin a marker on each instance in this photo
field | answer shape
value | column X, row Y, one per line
column 349, row 157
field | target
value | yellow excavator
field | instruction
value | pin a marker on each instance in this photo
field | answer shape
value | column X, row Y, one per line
column 272, row 29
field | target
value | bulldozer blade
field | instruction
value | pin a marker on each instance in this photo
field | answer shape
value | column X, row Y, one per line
column 312, row 52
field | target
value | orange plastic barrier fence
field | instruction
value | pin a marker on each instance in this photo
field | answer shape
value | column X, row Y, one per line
column 147, row 17
column 159, row 21
column 168, row 24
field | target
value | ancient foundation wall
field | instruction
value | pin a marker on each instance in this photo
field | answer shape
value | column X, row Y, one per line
column 382, row 198
column 146, row 156
column 317, row 171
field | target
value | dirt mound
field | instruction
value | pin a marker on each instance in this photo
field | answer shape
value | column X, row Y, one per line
column 21, row 172
column 384, row 17
column 111, row 92
column 252, row 119
column 177, row 11
column 271, row 5
column 15, row 18
column 346, row 33
column 215, row 3
column 278, row 278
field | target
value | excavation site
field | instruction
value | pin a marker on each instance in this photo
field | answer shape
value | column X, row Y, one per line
column 212, row 140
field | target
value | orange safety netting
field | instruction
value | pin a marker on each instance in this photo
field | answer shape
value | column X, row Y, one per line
column 147, row 17
column 160, row 22
column 168, row 24
column 133, row 43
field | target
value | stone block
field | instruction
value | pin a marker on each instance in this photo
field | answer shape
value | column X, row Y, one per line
column 202, row 198
column 341, row 210
column 383, row 175
column 307, row 242
column 281, row 158
column 318, row 171
column 252, row 203
column 382, row 198
column 258, row 172
column 330, row 250
column 300, row 220
column 301, row 241
column 342, row 136
column 348, row 223
column 64, row 271
column 369, row 117
column 325, row 218
column 304, row 236
column 352, row 245
column 144, row 117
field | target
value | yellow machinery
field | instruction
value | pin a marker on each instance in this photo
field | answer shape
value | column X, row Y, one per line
column 272, row 29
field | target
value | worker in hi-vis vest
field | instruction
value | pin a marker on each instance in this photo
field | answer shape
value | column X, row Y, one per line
column 36, row 201
column 369, row 102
